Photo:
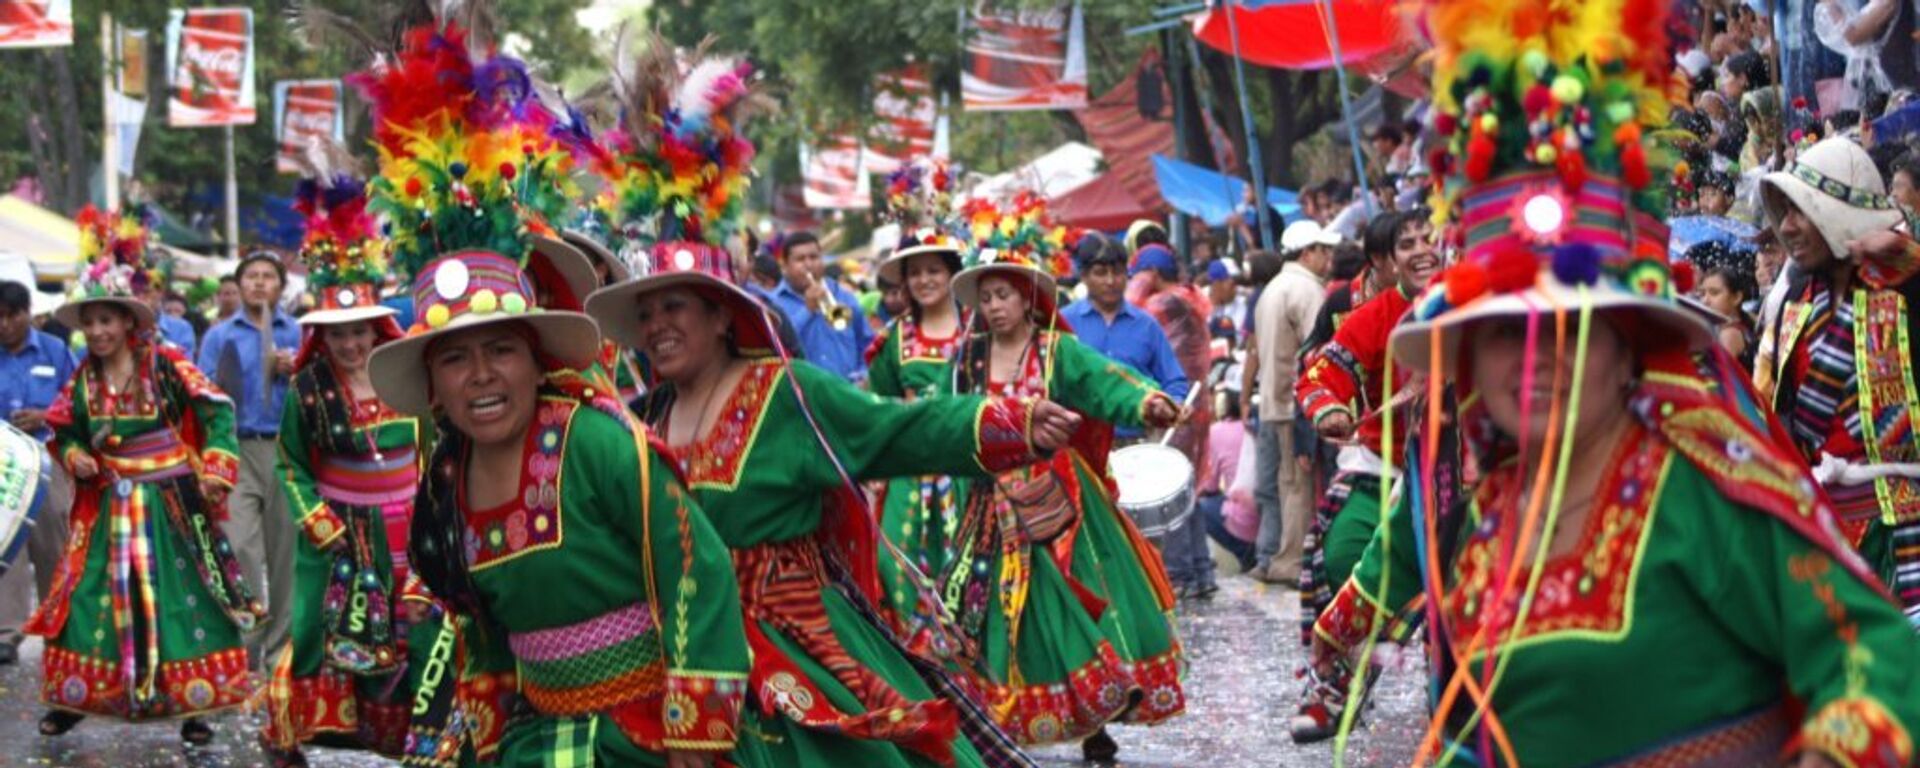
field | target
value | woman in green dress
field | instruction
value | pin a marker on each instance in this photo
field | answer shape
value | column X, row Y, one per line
column 911, row 362
column 1065, row 604
column 773, row 449
column 1641, row 572
column 148, row 606
column 349, row 467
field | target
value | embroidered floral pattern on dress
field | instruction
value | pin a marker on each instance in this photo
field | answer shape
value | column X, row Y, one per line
column 716, row 460
column 532, row 522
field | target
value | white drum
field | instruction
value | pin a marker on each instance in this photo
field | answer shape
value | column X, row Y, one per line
column 23, row 486
column 1156, row 487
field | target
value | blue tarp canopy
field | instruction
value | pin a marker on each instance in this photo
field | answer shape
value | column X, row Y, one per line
column 1210, row 195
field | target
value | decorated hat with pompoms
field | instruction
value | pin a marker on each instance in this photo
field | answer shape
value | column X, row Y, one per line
column 920, row 200
column 677, row 167
column 1019, row 238
column 1554, row 195
column 473, row 167
column 341, row 246
column 113, row 250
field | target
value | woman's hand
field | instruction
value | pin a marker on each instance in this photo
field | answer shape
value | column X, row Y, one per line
column 1052, row 425
column 84, row 467
column 214, row 490
column 1162, row 412
column 676, row 759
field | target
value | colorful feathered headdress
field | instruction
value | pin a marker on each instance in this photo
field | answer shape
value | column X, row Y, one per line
column 1546, row 111
column 920, row 200
column 345, row 256
column 470, row 156
column 1022, row 233
column 113, row 247
column 678, row 163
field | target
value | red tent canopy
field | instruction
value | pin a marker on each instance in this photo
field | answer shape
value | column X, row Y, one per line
column 1290, row 34
column 1103, row 204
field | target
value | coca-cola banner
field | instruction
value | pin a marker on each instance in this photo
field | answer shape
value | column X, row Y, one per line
column 305, row 111
column 904, row 115
column 1024, row 59
column 210, row 67
column 835, row 178
column 36, row 23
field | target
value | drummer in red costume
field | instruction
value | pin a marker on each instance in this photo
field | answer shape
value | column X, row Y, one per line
column 1342, row 392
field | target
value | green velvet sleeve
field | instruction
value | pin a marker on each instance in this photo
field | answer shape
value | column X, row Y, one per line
column 1848, row 652
column 690, row 582
column 68, row 416
column 883, row 372
column 1098, row 386
column 879, row 438
column 294, row 469
column 1383, row 584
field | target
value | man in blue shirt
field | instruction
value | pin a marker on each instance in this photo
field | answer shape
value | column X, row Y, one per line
column 250, row 356
column 803, row 296
column 1123, row 332
column 173, row 330
column 34, row 367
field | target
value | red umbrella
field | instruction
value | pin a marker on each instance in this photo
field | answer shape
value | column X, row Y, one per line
column 1291, row 34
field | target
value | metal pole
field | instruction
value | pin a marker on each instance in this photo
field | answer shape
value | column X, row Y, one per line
column 1325, row 7
column 1206, row 108
column 1255, row 168
column 233, row 202
column 110, row 136
column 1182, row 124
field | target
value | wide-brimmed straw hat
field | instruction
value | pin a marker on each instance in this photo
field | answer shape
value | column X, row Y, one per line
column 929, row 240
column 345, row 255
column 1837, row 186
column 113, row 250
column 1019, row 239
column 707, row 270
column 463, row 291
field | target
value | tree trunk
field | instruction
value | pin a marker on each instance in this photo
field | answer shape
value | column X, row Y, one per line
column 72, row 153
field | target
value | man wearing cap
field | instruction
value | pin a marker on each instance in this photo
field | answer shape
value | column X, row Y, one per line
column 1119, row 330
column 33, row 368
column 1283, row 319
column 250, row 357
column 1223, row 292
column 826, row 317
column 1837, row 360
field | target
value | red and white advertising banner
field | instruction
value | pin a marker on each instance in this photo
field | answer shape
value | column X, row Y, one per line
column 1024, row 59
column 905, row 113
column 36, row 23
column 210, row 67
column 305, row 111
column 835, row 177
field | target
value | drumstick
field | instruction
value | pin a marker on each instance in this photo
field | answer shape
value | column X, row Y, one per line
column 1186, row 403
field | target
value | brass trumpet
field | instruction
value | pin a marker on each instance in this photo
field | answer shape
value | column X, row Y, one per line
column 840, row 316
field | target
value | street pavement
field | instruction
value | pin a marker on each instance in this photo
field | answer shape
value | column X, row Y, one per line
column 1242, row 645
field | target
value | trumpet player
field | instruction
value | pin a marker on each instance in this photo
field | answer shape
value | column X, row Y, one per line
column 826, row 317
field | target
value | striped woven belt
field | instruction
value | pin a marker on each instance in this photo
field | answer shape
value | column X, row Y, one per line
column 1742, row 741
column 149, row 456
column 593, row 665
column 367, row 480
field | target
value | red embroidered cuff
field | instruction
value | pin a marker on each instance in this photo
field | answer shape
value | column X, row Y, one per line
column 221, row 466
column 322, row 526
column 1857, row 733
column 1350, row 619
column 1004, row 432
column 702, row 710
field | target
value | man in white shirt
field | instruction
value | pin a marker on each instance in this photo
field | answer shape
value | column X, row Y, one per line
column 1282, row 319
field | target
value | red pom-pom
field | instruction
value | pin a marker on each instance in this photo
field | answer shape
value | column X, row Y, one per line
column 1465, row 282
column 1537, row 100
column 413, row 186
column 1633, row 166
column 1445, row 124
column 1512, row 269
column 1480, row 151
column 1684, row 276
column 1799, row 102
column 507, row 171
column 1573, row 171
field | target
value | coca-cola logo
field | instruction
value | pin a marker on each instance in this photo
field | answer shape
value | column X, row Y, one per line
column 309, row 121
column 225, row 61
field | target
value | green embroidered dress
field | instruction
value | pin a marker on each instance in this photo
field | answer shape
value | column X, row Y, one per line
column 598, row 618
column 147, row 608
column 1711, row 614
column 918, row 515
column 1071, row 622
column 837, row 687
column 349, row 471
